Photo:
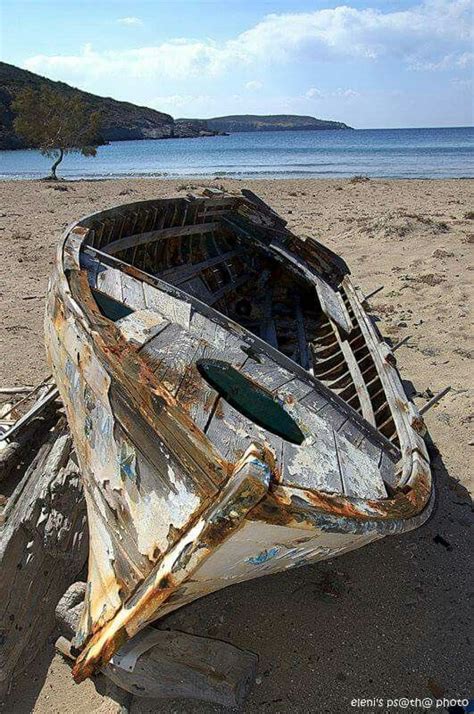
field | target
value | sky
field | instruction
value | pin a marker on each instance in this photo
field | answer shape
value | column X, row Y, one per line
column 369, row 63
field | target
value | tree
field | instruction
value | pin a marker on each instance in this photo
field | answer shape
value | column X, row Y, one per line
column 57, row 124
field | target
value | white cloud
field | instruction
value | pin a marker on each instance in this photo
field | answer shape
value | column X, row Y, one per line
column 130, row 21
column 450, row 61
column 253, row 85
column 173, row 102
column 314, row 93
column 427, row 36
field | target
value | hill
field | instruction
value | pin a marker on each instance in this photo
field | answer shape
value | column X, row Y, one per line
column 125, row 121
column 270, row 122
column 121, row 120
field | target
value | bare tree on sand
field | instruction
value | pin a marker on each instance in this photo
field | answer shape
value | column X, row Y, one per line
column 56, row 124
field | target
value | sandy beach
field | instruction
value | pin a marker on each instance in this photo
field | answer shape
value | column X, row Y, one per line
column 392, row 619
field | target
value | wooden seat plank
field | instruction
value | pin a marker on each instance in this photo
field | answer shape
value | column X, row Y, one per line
column 173, row 309
column 109, row 281
column 133, row 241
column 182, row 273
column 132, row 292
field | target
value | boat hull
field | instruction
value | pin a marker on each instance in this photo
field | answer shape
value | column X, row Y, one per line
column 170, row 519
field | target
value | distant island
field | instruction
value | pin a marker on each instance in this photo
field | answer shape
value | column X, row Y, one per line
column 254, row 122
column 122, row 121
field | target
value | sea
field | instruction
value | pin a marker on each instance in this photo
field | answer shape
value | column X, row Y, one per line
column 377, row 153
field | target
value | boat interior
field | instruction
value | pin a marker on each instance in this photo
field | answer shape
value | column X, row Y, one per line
column 203, row 247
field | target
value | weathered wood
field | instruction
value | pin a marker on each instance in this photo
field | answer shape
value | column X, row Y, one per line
column 43, row 546
column 19, row 450
column 182, row 273
column 16, row 390
column 115, row 699
column 179, row 665
column 109, row 281
column 360, row 474
column 132, row 292
column 373, row 293
column 36, row 410
column 303, row 347
column 262, row 206
column 359, row 383
column 133, row 241
column 166, row 664
column 159, row 664
column 434, row 400
column 333, row 305
column 399, row 344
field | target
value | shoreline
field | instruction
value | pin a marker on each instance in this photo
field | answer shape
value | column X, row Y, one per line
column 224, row 177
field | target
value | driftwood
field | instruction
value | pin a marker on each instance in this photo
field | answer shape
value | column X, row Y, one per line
column 24, row 444
column 168, row 665
column 16, row 390
column 43, row 547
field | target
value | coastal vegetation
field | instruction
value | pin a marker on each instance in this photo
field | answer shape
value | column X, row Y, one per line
column 57, row 124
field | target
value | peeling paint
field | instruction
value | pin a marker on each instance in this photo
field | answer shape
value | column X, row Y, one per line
column 173, row 514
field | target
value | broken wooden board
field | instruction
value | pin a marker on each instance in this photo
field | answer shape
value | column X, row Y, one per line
column 43, row 547
column 164, row 664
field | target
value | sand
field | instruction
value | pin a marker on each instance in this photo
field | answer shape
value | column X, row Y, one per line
column 389, row 620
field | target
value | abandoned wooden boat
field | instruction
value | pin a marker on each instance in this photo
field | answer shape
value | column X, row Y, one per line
column 234, row 410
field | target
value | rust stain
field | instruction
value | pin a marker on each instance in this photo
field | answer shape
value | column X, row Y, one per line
column 265, row 500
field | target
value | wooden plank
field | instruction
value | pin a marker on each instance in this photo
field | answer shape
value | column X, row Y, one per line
column 132, row 292
column 262, row 206
column 162, row 348
column 360, row 474
column 232, row 433
column 141, row 326
column 333, row 416
column 229, row 287
column 333, row 305
column 152, row 236
column 266, row 373
column 388, row 469
column 303, row 347
column 109, row 281
column 216, row 335
column 148, row 442
column 91, row 265
column 43, row 547
column 182, row 273
column 36, row 410
column 359, row 383
column 195, row 394
column 267, row 328
column 172, row 308
column 164, row 664
column 197, row 288
column 315, row 401
column 176, row 361
column 294, row 391
column 314, row 464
